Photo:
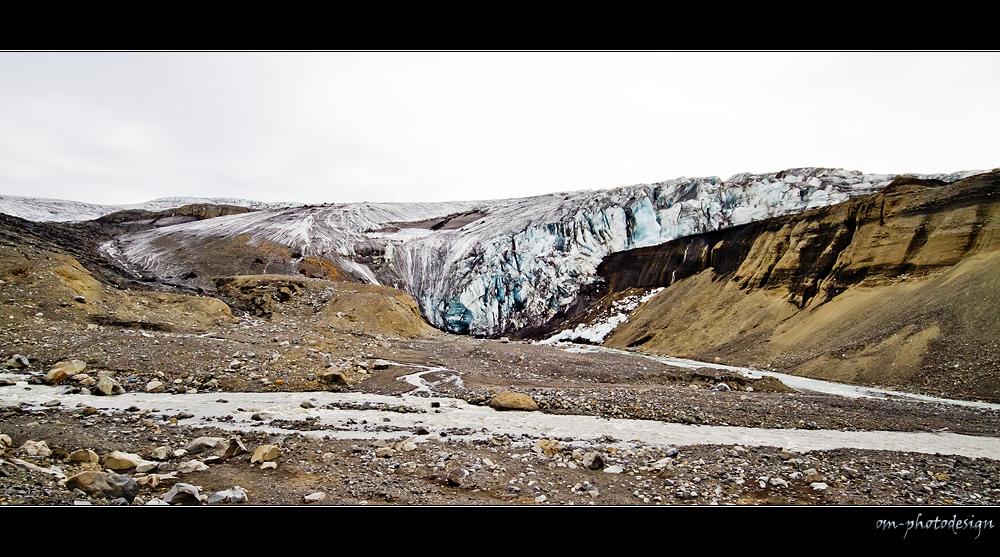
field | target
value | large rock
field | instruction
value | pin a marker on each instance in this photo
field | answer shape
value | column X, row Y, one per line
column 119, row 460
column 83, row 455
column 547, row 447
column 264, row 453
column 235, row 494
column 104, row 484
column 333, row 375
column 16, row 361
column 108, row 386
column 183, row 494
column 513, row 401
column 593, row 460
column 36, row 448
column 155, row 386
column 64, row 370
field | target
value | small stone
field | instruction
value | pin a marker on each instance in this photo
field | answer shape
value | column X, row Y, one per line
column 264, row 453
column 155, row 386
column 36, row 448
column 235, row 494
column 456, row 476
column 16, row 361
column 317, row 497
column 819, row 486
column 108, row 386
column 593, row 460
column 183, row 494
column 548, row 447
column 191, row 466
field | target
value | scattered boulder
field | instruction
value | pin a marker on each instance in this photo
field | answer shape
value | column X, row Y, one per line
column 333, row 375
column 191, row 466
column 104, row 484
column 16, row 361
column 155, row 386
column 108, row 386
column 547, row 447
column 456, row 476
column 84, row 455
column 217, row 446
column 36, row 448
column 513, row 401
column 593, row 460
column 317, row 497
column 183, row 494
column 264, row 453
column 119, row 460
column 64, row 370
column 235, row 494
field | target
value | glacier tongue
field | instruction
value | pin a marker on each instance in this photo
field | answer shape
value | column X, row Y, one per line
column 491, row 267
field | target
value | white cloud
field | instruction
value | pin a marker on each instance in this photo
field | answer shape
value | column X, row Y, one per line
column 315, row 127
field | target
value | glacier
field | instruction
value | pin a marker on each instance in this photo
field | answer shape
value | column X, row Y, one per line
column 489, row 268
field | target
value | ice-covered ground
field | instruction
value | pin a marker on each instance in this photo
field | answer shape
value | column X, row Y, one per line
column 58, row 210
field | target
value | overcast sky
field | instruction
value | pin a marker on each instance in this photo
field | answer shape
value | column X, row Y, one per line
column 119, row 128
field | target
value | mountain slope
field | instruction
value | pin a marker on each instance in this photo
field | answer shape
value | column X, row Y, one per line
column 488, row 267
column 896, row 288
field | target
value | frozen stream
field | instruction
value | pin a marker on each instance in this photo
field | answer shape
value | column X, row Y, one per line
column 341, row 416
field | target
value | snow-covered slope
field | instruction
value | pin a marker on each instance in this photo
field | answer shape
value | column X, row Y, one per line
column 515, row 262
column 56, row 210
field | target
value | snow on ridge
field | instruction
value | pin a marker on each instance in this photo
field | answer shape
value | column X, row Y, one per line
column 58, row 210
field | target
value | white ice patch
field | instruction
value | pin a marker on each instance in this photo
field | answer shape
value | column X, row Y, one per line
column 600, row 328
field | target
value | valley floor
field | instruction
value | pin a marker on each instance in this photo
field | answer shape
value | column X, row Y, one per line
column 456, row 466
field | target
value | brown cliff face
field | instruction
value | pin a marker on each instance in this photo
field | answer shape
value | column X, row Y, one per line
column 899, row 288
column 187, row 213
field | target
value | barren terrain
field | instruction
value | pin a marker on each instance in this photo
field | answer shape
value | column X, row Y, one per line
column 295, row 334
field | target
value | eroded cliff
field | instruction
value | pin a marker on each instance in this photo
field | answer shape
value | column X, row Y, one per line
column 896, row 288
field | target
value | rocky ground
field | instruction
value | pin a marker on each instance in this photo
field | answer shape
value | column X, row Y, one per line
column 297, row 334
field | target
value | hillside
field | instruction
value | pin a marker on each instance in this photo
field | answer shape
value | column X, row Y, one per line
column 897, row 288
